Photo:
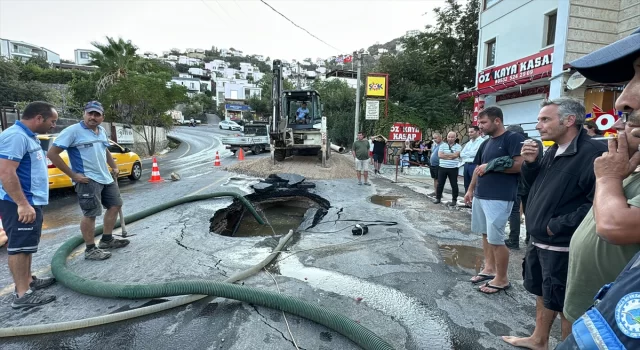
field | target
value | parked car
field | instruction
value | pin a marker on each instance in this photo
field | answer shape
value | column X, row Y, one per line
column 230, row 125
column 128, row 162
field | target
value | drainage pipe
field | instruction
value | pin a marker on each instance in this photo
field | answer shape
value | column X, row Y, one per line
column 337, row 148
column 143, row 311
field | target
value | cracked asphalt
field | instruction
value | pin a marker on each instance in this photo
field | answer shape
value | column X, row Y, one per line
column 406, row 282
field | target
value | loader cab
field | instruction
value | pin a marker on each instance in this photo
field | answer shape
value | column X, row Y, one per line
column 305, row 102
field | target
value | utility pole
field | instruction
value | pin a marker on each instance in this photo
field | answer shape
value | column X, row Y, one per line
column 299, row 75
column 358, row 59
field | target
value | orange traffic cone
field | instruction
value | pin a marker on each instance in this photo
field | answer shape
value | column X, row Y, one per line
column 240, row 154
column 217, row 161
column 155, row 172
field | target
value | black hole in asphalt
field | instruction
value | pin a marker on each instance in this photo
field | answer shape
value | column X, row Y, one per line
column 282, row 210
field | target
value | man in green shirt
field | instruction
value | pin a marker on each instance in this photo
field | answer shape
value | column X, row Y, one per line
column 609, row 236
column 360, row 151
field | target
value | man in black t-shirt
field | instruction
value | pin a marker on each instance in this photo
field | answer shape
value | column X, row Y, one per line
column 379, row 144
column 493, row 190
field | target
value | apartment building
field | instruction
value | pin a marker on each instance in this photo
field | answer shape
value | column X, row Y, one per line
column 18, row 49
column 82, row 57
column 525, row 48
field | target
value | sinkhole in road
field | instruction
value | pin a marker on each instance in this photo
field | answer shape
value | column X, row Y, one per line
column 282, row 210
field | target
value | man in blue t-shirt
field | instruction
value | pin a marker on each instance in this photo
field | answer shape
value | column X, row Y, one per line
column 24, row 190
column 493, row 191
column 87, row 145
column 302, row 114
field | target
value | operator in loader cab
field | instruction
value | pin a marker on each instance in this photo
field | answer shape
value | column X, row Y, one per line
column 302, row 114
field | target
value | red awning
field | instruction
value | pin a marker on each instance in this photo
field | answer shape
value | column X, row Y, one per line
column 498, row 87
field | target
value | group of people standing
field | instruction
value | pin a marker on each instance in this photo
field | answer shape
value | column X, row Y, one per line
column 582, row 200
column 24, row 190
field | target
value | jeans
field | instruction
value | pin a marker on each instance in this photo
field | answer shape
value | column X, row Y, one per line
column 514, row 221
column 452, row 175
column 468, row 175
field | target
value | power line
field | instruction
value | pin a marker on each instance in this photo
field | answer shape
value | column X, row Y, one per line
column 292, row 22
column 214, row 12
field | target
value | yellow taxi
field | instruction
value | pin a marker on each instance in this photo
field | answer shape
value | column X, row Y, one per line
column 128, row 162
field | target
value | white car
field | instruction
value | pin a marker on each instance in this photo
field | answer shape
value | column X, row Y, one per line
column 230, row 125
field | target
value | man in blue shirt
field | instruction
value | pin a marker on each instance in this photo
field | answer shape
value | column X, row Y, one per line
column 302, row 113
column 24, row 190
column 87, row 145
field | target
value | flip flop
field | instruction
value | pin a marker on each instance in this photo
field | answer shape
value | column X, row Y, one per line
column 484, row 276
column 496, row 288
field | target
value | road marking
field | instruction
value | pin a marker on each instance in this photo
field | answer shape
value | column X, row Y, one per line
column 188, row 149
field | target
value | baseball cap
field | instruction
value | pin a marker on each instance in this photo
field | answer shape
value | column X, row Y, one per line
column 94, row 106
column 612, row 63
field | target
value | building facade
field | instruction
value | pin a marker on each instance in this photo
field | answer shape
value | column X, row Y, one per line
column 12, row 49
column 525, row 48
column 82, row 57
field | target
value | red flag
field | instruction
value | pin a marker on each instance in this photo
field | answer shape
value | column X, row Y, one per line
column 348, row 59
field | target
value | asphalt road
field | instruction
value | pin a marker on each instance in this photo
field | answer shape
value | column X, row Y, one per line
column 408, row 282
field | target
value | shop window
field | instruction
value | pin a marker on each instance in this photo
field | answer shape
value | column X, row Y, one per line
column 490, row 52
column 550, row 28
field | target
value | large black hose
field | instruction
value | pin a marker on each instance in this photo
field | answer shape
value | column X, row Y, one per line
column 337, row 322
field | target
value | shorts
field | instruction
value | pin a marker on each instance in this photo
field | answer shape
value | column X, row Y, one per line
column 23, row 238
column 92, row 194
column 545, row 275
column 433, row 169
column 362, row 165
column 489, row 216
column 378, row 157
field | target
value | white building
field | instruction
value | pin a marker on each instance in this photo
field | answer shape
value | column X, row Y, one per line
column 348, row 76
column 525, row 48
column 412, row 33
column 192, row 84
column 190, row 61
column 234, row 89
column 260, row 58
column 189, row 51
column 18, row 49
column 82, row 57
column 173, row 58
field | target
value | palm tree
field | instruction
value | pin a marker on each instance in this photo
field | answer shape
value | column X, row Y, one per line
column 115, row 61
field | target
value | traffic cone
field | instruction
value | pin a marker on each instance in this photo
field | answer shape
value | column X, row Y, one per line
column 241, row 154
column 217, row 161
column 155, row 172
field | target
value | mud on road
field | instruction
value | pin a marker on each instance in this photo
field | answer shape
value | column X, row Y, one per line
column 339, row 166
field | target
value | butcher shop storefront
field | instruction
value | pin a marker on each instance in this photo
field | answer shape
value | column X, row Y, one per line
column 516, row 87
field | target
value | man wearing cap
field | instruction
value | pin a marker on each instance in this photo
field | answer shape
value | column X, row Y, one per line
column 606, row 315
column 87, row 145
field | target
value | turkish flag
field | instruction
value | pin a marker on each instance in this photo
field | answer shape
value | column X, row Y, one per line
column 348, row 59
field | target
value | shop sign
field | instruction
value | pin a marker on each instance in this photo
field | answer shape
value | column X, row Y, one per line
column 405, row 131
column 478, row 105
column 530, row 66
column 234, row 107
column 124, row 135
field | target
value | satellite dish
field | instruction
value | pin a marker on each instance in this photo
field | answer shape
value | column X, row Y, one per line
column 575, row 81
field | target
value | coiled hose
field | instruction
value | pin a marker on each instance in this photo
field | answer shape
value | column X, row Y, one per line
column 330, row 319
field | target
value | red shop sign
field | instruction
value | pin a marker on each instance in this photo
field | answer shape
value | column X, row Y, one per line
column 538, row 63
column 404, row 131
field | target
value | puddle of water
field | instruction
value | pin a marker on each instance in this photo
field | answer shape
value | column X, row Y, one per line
column 424, row 326
column 462, row 256
column 281, row 218
column 386, row 201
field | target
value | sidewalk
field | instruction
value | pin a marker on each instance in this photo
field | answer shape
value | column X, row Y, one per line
column 419, row 180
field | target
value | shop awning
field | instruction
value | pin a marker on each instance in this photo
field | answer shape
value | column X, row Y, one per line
column 495, row 88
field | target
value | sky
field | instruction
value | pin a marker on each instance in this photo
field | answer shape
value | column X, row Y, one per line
column 248, row 25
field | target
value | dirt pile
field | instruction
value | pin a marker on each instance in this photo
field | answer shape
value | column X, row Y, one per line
column 339, row 167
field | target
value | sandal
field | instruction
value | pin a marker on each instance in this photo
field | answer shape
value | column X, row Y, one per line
column 495, row 288
column 484, row 277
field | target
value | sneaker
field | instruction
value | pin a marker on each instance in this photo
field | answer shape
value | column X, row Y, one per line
column 113, row 244
column 367, row 184
column 41, row 283
column 31, row 299
column 96, row 254
column 452, row 204
column 437, row 201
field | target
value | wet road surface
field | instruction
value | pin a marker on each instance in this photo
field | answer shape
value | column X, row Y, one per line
column 408, row 282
